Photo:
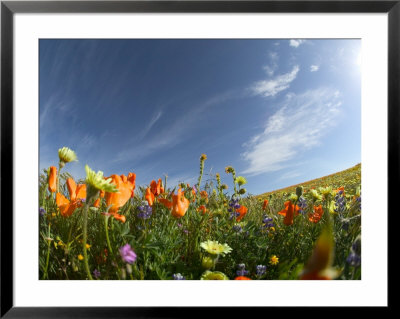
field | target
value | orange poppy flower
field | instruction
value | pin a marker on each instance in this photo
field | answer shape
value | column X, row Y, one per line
column 203, row 194
column 125, row 191
column 64, row 205
column 340, row 189
column 76, row 194
column 242, row 278
column 119, row 217
column 289, row 212
column 97, row 201
column 156, row 187
column 53, row 179
column 165, row 202
column 180, row 204
column 318, row 212
column 242, row 211
column 149, row 196
column 76, row 191
column 131, row 179
column 202, row 209
column 265, row 204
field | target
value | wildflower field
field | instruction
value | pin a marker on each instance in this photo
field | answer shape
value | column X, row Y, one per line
column 108, row 228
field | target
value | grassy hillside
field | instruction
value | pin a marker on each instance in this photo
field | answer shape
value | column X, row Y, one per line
column 350, row 177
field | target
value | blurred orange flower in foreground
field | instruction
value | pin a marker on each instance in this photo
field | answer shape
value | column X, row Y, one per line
column 319, row 265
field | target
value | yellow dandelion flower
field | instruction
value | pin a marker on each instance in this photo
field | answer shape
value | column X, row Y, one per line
column 80, row 257
column 203, row 157
column 274, row 260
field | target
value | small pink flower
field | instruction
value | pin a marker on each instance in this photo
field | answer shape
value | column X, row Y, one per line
column 127, row 254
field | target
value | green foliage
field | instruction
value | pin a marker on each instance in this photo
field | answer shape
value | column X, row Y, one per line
column 166, row 245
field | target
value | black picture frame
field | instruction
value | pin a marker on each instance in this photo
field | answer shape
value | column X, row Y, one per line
column 9, row 8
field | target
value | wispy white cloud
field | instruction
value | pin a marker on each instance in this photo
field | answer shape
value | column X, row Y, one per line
column 296, row 127
column 153, row 121
column 275, row 85
column 51, row 108
column 273, row 63
column 296, row 43
column 314, row 68
column 172, row 134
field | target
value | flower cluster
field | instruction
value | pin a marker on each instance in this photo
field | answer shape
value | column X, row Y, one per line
column 354, row 258
column 340, row 202
column 145, row 211
column 260, row 270
column 178, row 276
column 242, row 270
column 302, row 203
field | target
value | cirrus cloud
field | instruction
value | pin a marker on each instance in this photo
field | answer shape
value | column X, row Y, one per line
column 273, row 86
column 295, row 127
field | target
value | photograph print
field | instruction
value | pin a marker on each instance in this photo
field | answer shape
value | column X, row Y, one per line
column 199, row 159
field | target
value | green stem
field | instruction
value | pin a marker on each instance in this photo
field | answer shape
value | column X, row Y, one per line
column 85, row 218
column 45, row 275
column 107, row 237
column 234, row 183
column 58, row 179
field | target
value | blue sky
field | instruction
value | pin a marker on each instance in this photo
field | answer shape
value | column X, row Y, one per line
column 279, row 111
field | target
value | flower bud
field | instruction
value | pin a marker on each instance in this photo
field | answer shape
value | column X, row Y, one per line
column 207, row 263
column 129, row 269
column 299, row 191
column 123, row 273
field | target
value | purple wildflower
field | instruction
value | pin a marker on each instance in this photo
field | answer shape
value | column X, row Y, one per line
column 127, row 254
column 42, row 211
column 354, row 260
column 302, row 203
column 267, row 223
column 145, row 211
column 340, row 202
column 96, row 273
column 178, row 276
column 260, row 270
column 242, row 270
